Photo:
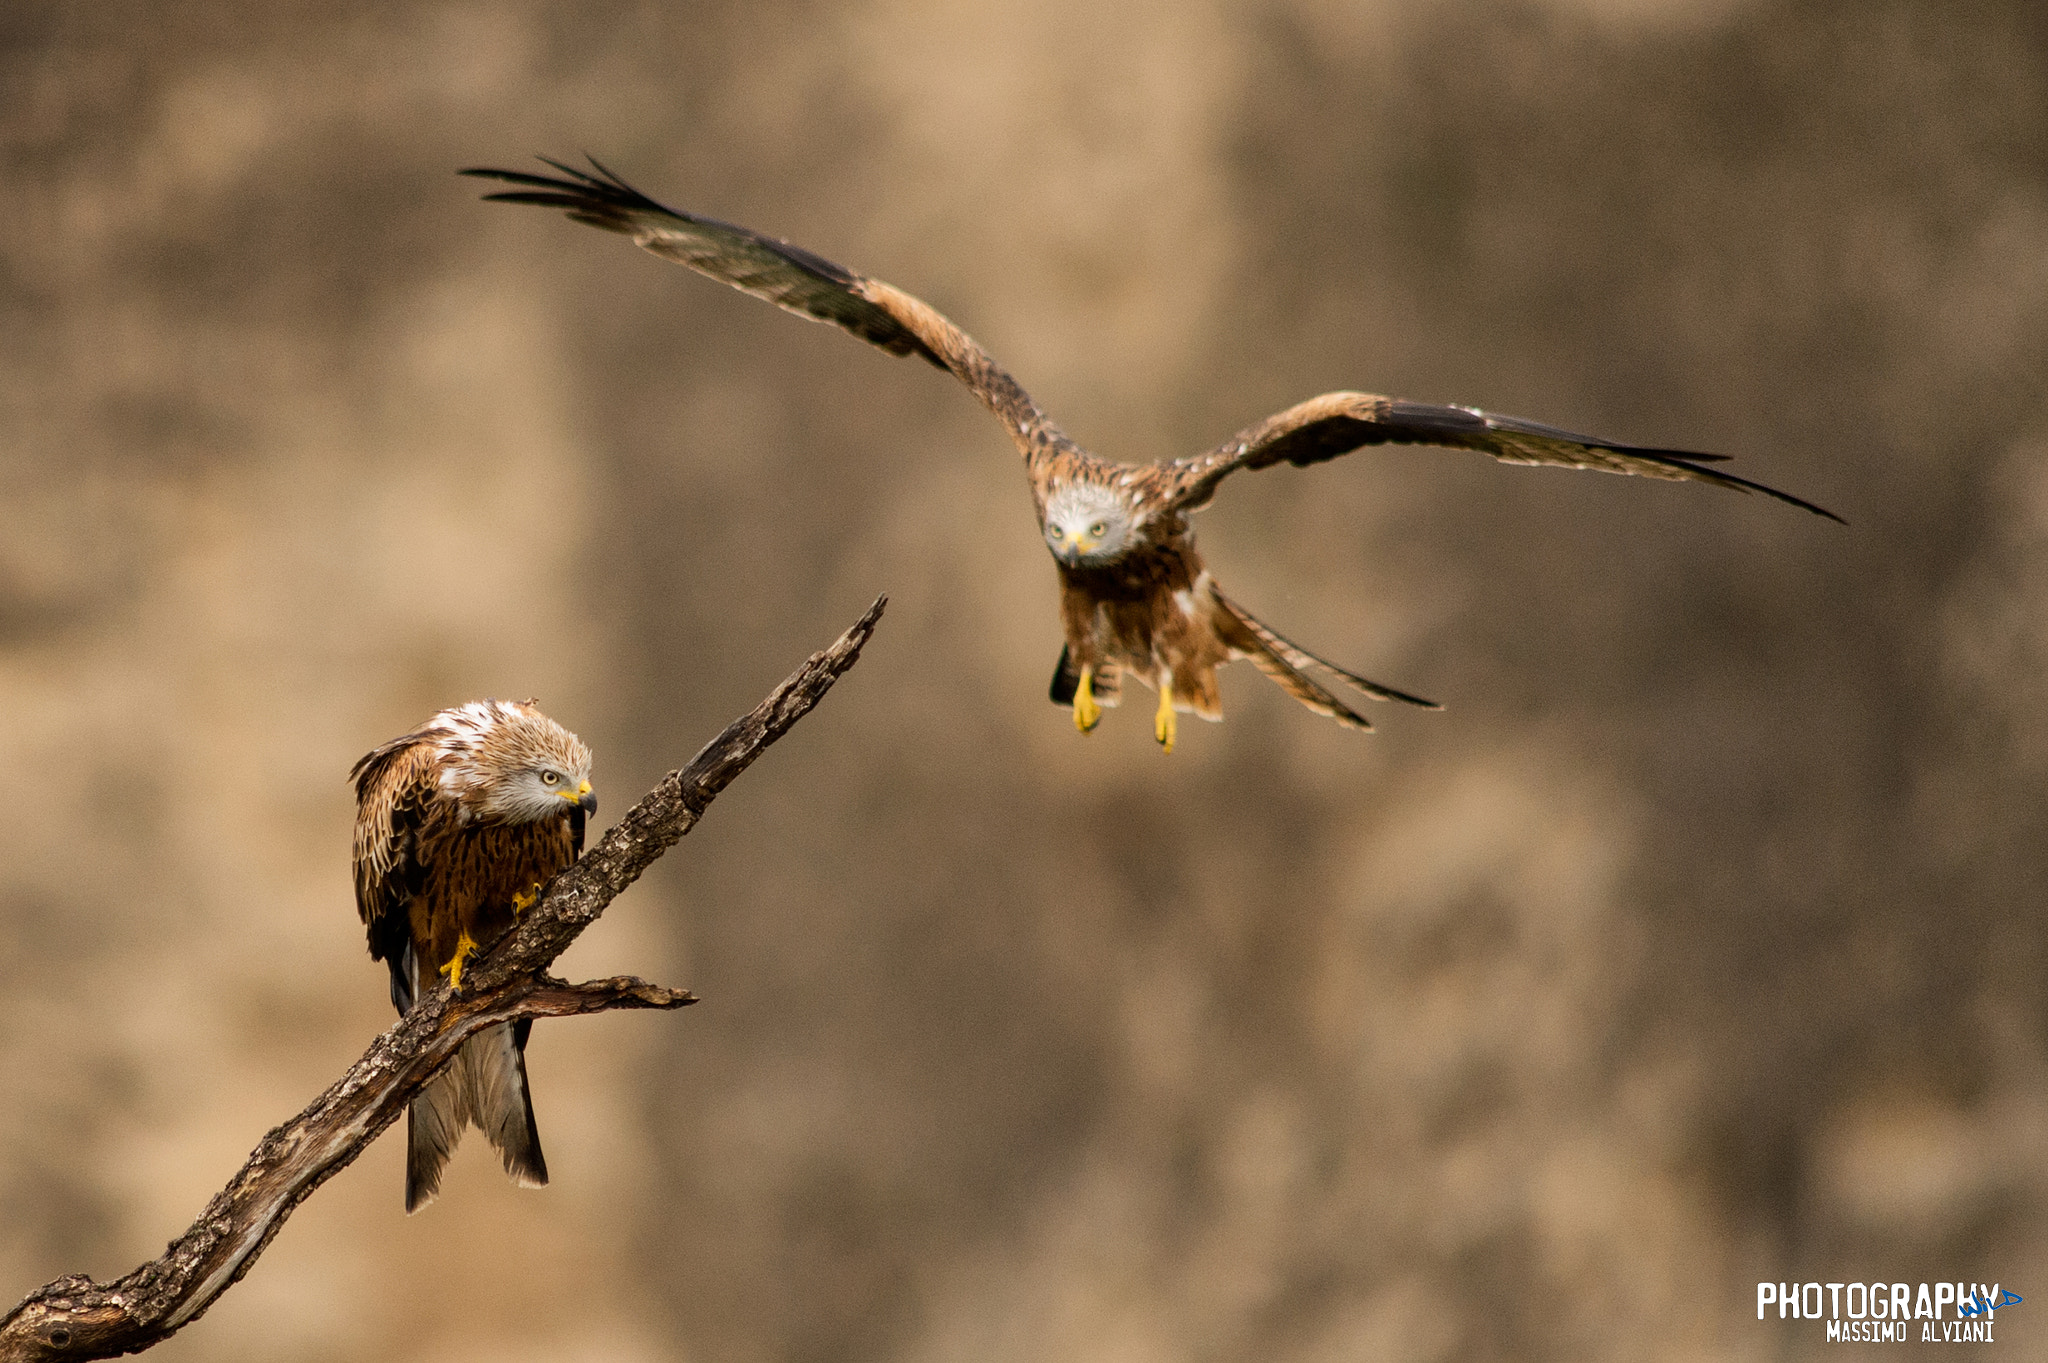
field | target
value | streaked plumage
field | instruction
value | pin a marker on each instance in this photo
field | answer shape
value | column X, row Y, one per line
column 1134, row 595
column 459, row 826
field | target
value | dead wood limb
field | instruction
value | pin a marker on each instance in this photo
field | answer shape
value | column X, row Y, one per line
column 77, row 1318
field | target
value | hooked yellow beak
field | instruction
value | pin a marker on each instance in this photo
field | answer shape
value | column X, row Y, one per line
column 581, row 797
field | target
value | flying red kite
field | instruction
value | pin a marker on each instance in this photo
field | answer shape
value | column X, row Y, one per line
column 1134, row 596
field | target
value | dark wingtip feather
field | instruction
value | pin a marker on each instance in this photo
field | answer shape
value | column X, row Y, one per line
column 1693, row 461
column 1745, row 485
column 1693, row 455
column 1788, row 499
column 547, row 199
column 511, row 177
column 606, row 171
column 602, row 198
column 573, row 187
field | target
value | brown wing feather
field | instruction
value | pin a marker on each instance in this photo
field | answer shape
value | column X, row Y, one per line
column 395, row 795
column 792, row 278
column 1338, row 423
column 765, row 266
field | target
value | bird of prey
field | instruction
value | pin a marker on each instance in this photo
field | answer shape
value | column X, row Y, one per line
column 1134, row 596
column 459, row 826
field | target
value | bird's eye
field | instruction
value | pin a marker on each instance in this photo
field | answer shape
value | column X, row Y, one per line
column 1058, row 533
column 1098, row 529
column 549, row 778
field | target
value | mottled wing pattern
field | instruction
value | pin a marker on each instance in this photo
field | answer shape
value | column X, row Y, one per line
column 789, row 277
column 764, row 266
column 1338, row 423
column 395, row 800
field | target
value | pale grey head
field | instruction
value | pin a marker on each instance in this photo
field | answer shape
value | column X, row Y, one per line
column 1088, row 524
column 505, row 762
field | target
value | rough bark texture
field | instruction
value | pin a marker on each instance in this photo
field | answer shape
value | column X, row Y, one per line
column 77, row 1318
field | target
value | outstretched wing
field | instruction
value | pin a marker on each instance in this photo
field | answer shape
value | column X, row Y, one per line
column 789, row 277
column 394, row 798
column 1338, row 423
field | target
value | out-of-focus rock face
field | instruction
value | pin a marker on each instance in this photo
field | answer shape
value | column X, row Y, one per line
column 1698, row 943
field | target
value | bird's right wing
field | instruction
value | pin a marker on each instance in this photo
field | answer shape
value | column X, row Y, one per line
column 394, row 790
column 789, row 277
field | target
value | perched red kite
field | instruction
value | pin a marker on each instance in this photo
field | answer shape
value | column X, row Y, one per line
column 1134, row 596
column 459, row 826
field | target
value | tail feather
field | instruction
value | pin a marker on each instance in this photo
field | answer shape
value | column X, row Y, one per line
column 433, row 1124
column 493, row 1067
column 433, row 1120
column 1288, row 664
column 485, row 1084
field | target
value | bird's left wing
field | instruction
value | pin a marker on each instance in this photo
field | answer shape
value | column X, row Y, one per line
column 789, row 277
column 1338, row 423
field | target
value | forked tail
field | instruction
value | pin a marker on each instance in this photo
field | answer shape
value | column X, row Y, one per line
column 1290, row 665
column 485, row 1084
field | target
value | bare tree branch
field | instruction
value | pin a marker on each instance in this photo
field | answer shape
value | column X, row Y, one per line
column 77, row 1318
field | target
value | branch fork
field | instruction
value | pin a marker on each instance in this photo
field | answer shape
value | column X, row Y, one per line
column 77, row 1318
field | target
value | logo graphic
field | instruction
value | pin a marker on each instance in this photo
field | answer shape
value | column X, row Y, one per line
column 1891, row 1313
column 1979, row 1306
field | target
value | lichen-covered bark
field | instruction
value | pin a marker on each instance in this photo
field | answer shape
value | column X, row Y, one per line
column 77, row 1318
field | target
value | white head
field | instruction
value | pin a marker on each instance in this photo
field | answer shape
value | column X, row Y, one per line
column 505, row 762
column 1087, row 523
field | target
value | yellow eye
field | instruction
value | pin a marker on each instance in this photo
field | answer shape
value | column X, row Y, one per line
column 1098, row 529
column 549, row 778
column 1058, row 533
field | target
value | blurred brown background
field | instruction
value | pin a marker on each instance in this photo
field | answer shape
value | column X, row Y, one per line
column 1698, row 943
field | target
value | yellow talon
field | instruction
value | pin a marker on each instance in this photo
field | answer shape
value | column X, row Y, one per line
column 1087, row 714
column 465, row 947
column 525, row 900
column 1163, row 722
